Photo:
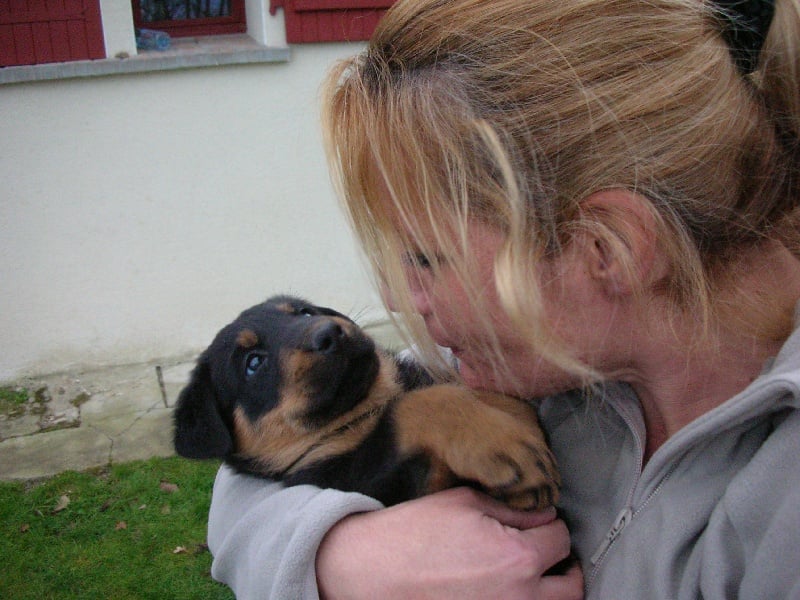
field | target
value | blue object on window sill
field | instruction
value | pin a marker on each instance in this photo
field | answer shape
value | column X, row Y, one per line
column 150, row 39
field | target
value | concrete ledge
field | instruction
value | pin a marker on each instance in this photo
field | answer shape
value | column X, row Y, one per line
column 126, row 415
column 185, row 53
column 57, row 451
column 111, row 415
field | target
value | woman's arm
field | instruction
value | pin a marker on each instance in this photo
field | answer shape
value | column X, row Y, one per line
column 455, row 544
column 264, row 537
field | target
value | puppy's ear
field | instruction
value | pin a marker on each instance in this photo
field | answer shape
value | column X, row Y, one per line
column 200, row 431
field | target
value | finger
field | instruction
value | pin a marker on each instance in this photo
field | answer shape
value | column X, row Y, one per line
column 568, row 585
column 551, row 542
column 510, row 517
column 526, row 519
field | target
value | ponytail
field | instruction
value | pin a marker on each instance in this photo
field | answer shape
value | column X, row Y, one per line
column 778, row 78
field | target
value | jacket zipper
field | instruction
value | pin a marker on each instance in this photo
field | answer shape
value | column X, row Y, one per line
column 626, row 514
column 624, row 518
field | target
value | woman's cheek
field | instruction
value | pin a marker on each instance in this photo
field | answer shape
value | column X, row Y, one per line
column 475, row 378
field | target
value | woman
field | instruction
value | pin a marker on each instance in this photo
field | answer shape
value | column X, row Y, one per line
column 594, row 202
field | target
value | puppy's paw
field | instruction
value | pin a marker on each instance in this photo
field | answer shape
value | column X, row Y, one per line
column 488, row 439
column 509, row 459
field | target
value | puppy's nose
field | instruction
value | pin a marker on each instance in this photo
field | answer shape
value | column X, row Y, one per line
column 326, row 338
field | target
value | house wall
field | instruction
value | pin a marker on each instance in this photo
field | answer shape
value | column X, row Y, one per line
column 118, row 34
column 142, row 212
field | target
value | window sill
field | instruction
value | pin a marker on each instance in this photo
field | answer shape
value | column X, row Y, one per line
column 185, row 53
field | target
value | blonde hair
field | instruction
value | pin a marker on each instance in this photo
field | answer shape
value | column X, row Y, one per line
column 514, row 111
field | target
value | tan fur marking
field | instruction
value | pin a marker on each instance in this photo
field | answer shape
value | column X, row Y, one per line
column 295, row 365
column 294, row 373
column 279, row 440
column 246, row 338
column 440, row 476
column 286, row 307
column 481, row 436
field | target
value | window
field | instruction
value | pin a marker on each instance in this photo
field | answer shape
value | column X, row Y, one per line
column 330, row 20
column 39, row 31
column 181, row 18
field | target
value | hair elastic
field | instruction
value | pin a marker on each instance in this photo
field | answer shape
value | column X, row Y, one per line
column 747, row 22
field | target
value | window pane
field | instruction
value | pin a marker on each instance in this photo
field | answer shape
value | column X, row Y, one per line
column 178, row 10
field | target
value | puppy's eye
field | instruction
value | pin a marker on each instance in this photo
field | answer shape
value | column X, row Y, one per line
column 306, row 312
column 252, row 362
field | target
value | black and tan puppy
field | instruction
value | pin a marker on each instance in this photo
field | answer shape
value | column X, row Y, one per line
column 297, row 392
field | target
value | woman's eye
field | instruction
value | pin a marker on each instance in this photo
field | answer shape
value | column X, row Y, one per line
column 418, row 260
column 252, row 362
column 422, row 261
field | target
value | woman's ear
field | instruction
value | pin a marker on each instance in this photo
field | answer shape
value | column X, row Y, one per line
column 621, row 241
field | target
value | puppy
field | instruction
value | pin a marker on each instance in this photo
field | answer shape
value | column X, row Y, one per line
column 298, row 393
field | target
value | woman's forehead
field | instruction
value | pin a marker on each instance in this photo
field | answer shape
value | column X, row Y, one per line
column 443, row 231
column 425, row 219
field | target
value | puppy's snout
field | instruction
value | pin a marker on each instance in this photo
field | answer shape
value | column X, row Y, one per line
column 327, row 337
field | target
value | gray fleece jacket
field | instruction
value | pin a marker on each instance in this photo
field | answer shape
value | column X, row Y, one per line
column 715, row 513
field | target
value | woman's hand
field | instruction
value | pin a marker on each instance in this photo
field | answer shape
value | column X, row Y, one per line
column 454, row 544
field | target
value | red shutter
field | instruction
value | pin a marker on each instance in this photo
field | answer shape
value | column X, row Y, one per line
column 330, row 20
column 45, row 31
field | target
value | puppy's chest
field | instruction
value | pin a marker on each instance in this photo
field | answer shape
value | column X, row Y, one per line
column 375, row 466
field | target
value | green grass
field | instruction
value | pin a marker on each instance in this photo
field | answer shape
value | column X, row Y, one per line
column 12, row 401
column 133, row 530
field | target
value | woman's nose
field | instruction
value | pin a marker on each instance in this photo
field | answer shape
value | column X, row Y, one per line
column 419, row 295
column 420, row 301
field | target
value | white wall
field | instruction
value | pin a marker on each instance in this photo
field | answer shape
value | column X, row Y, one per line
column 118, row 34
column 140, row 213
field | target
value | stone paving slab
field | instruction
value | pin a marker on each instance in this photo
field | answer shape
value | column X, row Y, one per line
column 53, row 452
column 148, row 436
column 82, row 420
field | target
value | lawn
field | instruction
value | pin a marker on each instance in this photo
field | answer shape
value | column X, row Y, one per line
column 133, row 530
